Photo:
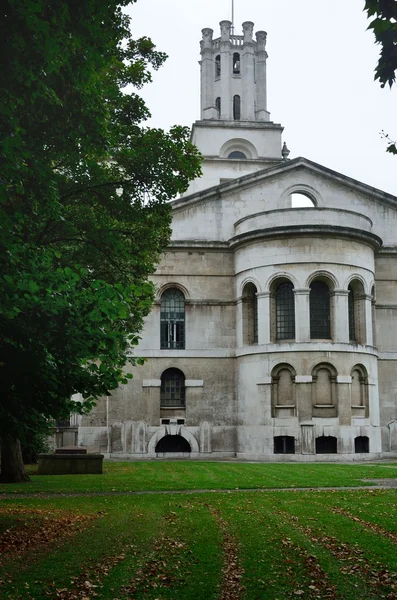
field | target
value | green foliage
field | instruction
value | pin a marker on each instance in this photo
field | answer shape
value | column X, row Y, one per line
column 83, row 202
column 384, row 27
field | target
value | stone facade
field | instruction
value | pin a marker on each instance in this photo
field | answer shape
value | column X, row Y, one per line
column 274, row 331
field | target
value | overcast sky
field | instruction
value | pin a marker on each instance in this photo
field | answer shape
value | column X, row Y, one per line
column 320, row 76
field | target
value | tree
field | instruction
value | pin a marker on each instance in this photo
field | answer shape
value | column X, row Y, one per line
column 83, row 207
column 384, row 26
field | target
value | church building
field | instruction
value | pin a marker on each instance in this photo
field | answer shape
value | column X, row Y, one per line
column 274, row 331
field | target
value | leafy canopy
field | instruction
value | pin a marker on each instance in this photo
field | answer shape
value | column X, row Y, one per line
column 84, row 216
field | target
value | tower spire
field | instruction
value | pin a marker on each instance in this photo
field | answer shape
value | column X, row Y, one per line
column 232, row 17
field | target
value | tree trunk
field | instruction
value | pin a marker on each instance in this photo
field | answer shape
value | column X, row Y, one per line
column 12, row 467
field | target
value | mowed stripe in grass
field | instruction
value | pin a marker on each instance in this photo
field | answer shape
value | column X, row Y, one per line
column 212, row 547
column 185, row 475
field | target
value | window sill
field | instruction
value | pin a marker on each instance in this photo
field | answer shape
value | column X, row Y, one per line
column 284, row 406
column 324, row 405
column 172, row 407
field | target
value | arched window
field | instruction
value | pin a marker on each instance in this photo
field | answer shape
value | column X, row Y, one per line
column 237, row 155
column 218, row 65
column 320, row 311
column 285, row 311
column 236, row 108
column 172, row 391
column 361, row 444
column 172, row 319
column 301, row 200
column 326, row 444
column 373, row 310
column 250, row 314
column 218, row 105
column 283, row 391
column 356, row 306
column 236, row 63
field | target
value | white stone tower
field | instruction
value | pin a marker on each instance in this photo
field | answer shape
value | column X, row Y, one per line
column 235, row 134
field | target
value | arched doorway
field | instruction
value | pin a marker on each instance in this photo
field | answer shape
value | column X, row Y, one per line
column 173, row 443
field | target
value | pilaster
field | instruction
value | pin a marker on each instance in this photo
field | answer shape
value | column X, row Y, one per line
column 302, row 315
column 263, row 318
column 341, row 316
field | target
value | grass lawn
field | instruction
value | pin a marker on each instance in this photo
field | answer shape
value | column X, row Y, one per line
column 229, row 546
column 192, row 475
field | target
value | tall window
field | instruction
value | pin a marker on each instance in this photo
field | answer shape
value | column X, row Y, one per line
column 218, row 105
column 172, row 391
column 236, row 63
column 250, row 314
column 285, row 311
column 172, row 319
column 236, row 108
column 320, row 311
column 356, row 305
column 218, row 65
column 352, row 325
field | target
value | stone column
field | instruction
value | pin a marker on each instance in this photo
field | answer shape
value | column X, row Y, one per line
column 263, row 318
column 340, row 316
column 369, row 334
column 344, row 399
column 239, row 322
column 373, row 401
column 302, row 315
column 248, row 74
column 261, row 87
column 226, row 71
column 207, row 75
column 303, row 390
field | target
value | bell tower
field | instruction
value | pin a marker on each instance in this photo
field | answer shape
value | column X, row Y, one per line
column 235, row 134
column 233, row 75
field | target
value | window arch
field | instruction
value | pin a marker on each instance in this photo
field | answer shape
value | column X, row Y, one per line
column 356, row 307
column 172, row 319
column 172, row 390
column 320, row 311
column 236, row 63
column 218, row 105
column 361, row 444
column 283, row 391
column 324, row 399
column 250, row 314
column 236, row 107
column 359, row 391
column 218, row 65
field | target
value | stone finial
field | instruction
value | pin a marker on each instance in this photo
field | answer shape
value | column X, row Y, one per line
column 285, row 152
column 206, row 42
column 261, row 38
column 225, row 30
column 248, row 31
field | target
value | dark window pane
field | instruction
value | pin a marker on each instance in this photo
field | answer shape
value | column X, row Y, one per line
column 361, row 444
column 172, row 320
column 320, row 321
column 285, row 311
column 172, row 391
column 236, row 108
column 352, row 324
column 326, row 444
column 237, row 155
column 284, row 444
